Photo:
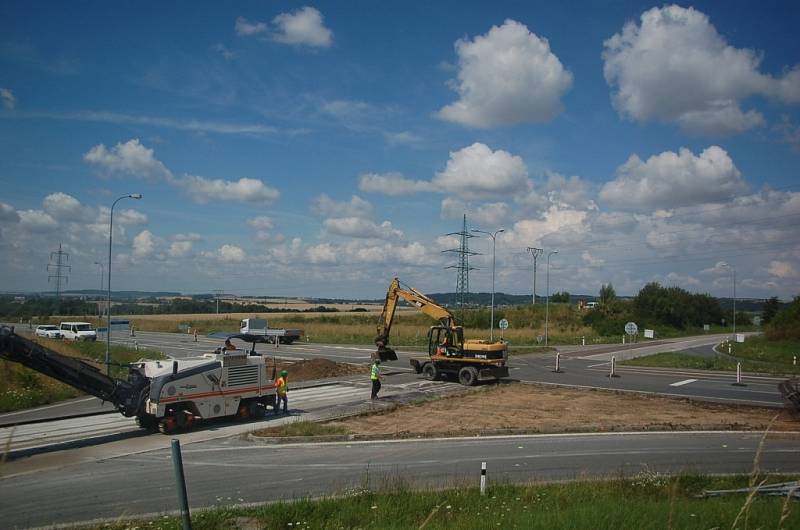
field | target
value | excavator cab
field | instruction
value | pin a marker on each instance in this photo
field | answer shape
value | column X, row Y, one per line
column 445, row 341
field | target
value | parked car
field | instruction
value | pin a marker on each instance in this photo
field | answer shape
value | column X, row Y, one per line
column 78, row 331
column 48, row 331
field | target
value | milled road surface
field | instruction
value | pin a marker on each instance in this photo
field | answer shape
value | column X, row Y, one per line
column 232, row 471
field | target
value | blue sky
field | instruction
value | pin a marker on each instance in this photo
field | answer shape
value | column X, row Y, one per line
column 319, row 149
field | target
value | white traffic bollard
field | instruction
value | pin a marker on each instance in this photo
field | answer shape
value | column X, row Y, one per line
column 583, row 341
column 794, row 360
column 623, row 339
column 483, row 478
column 739, row 375
column 613, row 372
column 558, row 369
column 729, row 348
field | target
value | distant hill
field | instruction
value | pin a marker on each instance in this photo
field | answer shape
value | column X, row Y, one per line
column 501, row 299
column 116, row 295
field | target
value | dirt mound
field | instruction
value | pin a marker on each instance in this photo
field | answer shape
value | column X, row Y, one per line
column 320, row 369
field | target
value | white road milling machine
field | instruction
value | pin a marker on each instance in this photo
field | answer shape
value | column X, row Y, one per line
column 168, row 395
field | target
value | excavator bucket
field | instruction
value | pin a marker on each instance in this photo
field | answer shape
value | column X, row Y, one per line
column 385, row 354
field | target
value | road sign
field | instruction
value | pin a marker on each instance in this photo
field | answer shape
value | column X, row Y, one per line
column 631, row 328
column 503, row 323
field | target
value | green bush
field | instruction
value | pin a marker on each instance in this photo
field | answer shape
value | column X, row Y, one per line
column 786, row 322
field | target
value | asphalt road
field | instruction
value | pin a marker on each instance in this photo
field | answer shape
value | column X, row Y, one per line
column 233, row 471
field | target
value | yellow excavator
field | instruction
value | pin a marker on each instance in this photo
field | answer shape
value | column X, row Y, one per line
column 448, row 353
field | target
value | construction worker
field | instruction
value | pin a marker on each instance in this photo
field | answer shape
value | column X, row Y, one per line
column 375, row 376
column 282, row 384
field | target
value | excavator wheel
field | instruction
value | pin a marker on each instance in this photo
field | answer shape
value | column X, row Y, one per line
column 468, row 376
column 430, row 372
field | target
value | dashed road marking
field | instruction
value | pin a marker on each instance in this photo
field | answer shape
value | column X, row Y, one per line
column 684, row 382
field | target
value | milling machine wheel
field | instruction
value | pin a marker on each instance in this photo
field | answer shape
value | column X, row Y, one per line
column 184, row 419
column 167, row 425
column 257, row 410
column 146, row 422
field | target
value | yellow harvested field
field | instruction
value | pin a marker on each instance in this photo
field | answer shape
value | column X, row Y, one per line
column 342, row 310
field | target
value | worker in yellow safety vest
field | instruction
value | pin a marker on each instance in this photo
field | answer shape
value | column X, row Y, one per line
column 375, row 376
column 282, row 384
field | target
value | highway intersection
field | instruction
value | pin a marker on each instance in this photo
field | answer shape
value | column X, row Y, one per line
column 82, row 458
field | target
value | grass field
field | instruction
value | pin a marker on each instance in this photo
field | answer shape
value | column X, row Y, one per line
column 648, row 501
column 22, row 388
column 756, row 354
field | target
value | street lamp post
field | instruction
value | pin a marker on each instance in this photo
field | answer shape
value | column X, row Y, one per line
column 102, row 282
column 494, row 244
column 108, row 309
column 733, row 271
column 547, row 305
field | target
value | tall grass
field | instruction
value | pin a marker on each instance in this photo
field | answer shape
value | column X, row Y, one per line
column 643, row 502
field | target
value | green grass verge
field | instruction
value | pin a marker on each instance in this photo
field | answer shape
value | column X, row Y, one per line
column 682, row 360
column 22, row 388
column 649, row 501
column 756, row 355
column 303, row 428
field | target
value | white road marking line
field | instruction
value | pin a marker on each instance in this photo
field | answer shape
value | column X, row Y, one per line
column 684, row 382
column 600, row 364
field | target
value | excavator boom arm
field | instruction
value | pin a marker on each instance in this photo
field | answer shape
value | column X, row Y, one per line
column 416, row 299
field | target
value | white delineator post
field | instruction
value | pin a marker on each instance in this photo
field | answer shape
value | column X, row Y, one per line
column 483, row 478
column 739, row 375
column 613, row 372
column 558, row 369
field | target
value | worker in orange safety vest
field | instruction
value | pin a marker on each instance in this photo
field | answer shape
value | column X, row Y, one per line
column 282, row 384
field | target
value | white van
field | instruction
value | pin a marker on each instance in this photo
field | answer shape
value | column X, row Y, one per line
column 77, row 331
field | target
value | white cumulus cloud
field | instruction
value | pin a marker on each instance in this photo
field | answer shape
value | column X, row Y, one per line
column 203, row 190
column 671, row 180
column 325, row 206
column 245, row 28
column 507, row 76
column 129, row 158
column 36, row 221
column 230, row 254
column 8, row 214
column 304, row 26
column 180, row 249
column 391, row 184
column 8, row 98
column 144, row 244
column 673, row 66
column 64, row 207
column 261, row 222
column 782, row 269
column 361, row 228
column 476, row 171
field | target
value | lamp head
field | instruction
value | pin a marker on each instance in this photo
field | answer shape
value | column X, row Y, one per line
column 135, row 195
